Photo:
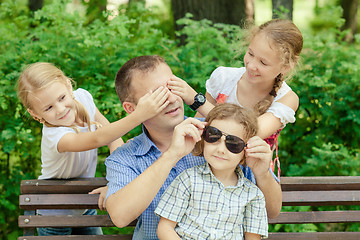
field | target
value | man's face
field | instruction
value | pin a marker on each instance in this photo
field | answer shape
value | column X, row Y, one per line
column 173, row 114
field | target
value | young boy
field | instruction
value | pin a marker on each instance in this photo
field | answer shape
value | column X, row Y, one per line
column 215, row 200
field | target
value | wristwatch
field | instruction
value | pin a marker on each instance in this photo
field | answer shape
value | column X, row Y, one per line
column 199, row 100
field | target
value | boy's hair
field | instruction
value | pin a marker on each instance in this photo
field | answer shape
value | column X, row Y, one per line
column 40, row 75
column 125, row 74
column 246, row 117
column 287, row 40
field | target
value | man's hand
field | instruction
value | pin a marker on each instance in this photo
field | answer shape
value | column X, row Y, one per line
column 185, row 135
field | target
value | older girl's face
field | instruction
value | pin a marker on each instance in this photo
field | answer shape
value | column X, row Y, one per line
column 220, row 159
column 262, row 61
column 54, row 104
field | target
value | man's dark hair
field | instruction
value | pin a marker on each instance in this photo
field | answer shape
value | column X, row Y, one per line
column 123, row 77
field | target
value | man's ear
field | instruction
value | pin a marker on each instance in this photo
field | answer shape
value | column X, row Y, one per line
column 129, row 107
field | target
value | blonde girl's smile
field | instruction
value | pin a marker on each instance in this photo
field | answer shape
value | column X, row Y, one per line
column 54, row 104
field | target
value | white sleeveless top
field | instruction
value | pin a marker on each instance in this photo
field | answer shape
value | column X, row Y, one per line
column 224, row 80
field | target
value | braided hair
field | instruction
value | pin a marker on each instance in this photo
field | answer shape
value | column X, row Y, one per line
column 287, row 39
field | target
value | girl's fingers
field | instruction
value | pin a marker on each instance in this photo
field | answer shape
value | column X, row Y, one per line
column 163, row 106
column 161, row 96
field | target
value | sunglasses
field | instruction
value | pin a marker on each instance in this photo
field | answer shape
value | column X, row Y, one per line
column 233, row 143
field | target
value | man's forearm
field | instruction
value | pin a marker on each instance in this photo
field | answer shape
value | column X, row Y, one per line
column 272, row 192
column 128, row 203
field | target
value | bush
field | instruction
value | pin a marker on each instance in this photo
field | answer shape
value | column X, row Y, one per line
column 323, row 141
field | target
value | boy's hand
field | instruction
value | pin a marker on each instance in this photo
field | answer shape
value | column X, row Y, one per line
column 153, row 103
column 182, row 89
column 102, row 191
column 258, row 156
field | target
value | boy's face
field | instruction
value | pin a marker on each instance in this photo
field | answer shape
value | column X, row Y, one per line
column 221, row 160
column 173, row 114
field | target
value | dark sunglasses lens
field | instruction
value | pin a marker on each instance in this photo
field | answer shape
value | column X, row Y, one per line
column 212, row 134
column 234, row 144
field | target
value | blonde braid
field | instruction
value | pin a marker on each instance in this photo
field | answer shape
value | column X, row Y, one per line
column 262, row 106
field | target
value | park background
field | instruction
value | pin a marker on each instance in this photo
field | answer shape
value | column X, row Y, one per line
column 91, row 45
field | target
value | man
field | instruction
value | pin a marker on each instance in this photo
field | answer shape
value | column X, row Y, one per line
column 141, row 170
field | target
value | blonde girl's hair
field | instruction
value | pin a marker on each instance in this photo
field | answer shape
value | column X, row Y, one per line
column 246, row 117
column 287, row 40
column 40, row 75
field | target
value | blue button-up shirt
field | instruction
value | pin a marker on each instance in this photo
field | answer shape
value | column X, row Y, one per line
column 130, row 160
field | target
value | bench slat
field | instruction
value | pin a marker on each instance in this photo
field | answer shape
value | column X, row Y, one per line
column 82, row 201
column 59, row 201
column 78, row 237
column 48, row 186
column 33, row 221
column 287, row 184
column 321, row 198
column 315, row 235
column 317, row 217
column 320, row 183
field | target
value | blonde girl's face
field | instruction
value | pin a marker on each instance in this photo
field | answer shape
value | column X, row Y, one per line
column 262, row 61
column 220, row 159
column 54, row 104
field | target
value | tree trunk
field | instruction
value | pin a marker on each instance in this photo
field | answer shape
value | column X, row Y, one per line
column 35, row 5
column 350, row 8
column 278, row 7
column 132, row 2
column 235, row 12
column 95, row 10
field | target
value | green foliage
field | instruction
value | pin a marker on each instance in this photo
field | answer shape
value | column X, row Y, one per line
column 327, row 126
column 9, row 202
column 323, row 141
column 327, row 17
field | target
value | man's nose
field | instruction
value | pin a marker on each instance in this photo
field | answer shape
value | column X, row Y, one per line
column 172, row 97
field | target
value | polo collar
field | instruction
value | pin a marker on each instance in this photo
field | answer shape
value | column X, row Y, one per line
column 146, row 143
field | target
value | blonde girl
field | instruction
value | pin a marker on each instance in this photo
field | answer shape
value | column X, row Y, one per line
column 73, row 129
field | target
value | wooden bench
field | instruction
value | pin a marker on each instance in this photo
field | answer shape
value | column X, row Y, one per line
column 297, row 191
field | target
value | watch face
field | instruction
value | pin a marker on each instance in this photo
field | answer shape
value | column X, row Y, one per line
column 201, row 98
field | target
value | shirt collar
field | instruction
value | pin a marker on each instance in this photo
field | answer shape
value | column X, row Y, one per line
column 205, row 169
column 146, row 143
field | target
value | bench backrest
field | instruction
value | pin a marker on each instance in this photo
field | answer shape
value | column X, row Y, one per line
column 297, row 191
